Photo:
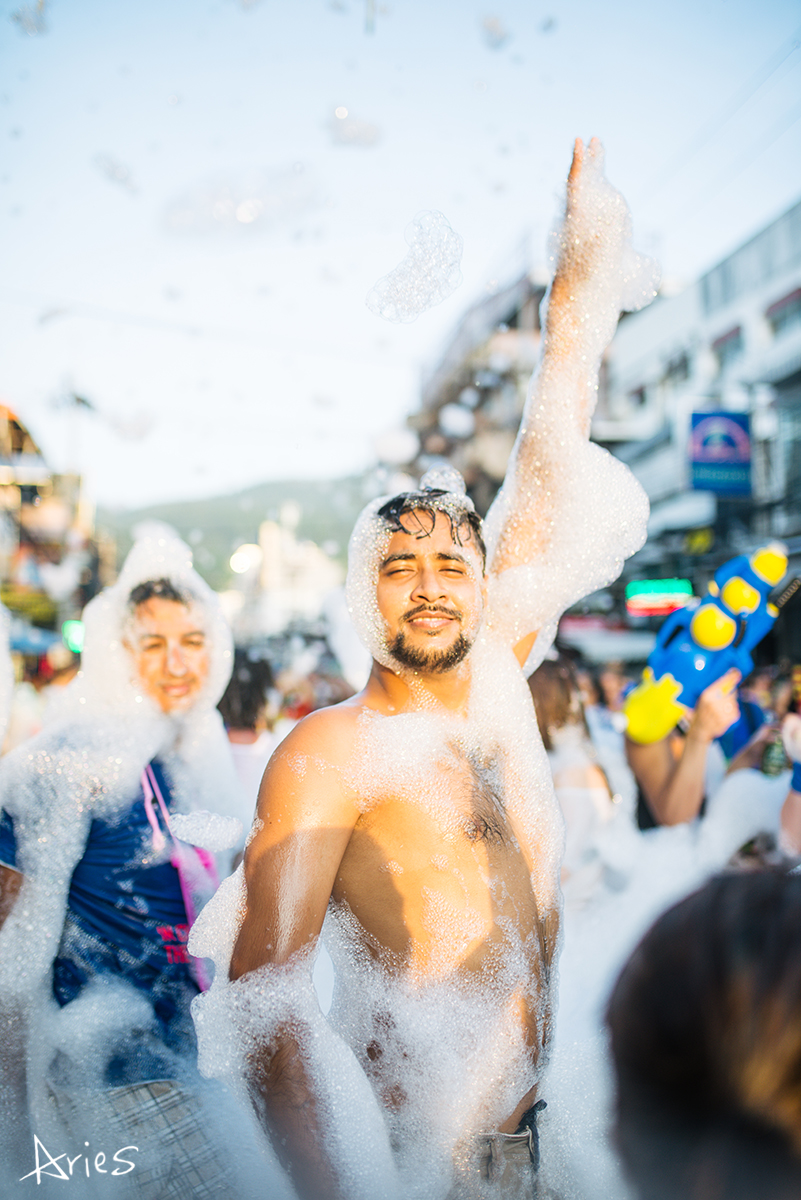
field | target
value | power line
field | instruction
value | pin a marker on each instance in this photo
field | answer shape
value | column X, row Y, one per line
column 56, row 309
column 740, row 98
column 781, row 127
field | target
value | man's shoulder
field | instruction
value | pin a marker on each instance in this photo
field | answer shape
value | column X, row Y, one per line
column 328, row 734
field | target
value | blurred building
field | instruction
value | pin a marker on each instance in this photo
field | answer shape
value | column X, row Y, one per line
column 700, row 394
column 49, row 565
column 702, row 399
column 731, row 344
column 473, row 398
column 283, row 581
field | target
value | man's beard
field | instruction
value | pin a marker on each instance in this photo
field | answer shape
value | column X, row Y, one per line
column 429, row 662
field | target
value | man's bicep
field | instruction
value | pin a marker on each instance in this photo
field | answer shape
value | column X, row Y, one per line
column 304, row 821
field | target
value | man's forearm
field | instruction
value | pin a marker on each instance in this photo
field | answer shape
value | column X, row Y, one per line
column 283, row 1096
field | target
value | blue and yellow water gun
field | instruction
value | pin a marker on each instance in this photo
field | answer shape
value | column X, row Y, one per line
column 701, row 642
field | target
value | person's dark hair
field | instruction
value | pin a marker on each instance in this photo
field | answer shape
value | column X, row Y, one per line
column 403, row 514
column 161, row 589
column 557, row 698
column 705, row 1025
column 245, row 698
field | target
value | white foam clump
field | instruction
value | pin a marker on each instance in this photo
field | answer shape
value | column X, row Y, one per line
column 235, row 1021
column 584, row 505
column 208, row 830
column 650, row 872
column 429, row 274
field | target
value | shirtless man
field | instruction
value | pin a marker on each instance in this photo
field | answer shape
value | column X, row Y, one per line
column 418, row 819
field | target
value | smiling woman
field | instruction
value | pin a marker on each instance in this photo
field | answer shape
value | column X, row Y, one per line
column 167, row 643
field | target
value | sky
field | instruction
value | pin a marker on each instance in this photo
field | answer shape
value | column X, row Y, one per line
column 189, row 231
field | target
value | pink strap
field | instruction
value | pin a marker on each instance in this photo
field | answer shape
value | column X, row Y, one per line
column 159, row 840
column 190, row 862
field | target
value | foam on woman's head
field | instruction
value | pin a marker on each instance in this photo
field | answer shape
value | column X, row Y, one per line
column 441, row 490
column 107, row 681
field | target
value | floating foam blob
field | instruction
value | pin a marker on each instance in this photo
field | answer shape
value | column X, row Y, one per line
column 31, row 18
column 494, row 32
column 116, row 171
column 429, row 274
column 255, row 201
column 345, row 130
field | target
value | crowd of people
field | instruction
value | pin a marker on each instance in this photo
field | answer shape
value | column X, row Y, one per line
column 472, row 836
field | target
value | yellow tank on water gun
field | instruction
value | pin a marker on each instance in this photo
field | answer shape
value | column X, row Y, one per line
column 701, row 642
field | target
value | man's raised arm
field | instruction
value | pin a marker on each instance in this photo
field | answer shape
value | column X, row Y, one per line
column 304, row 821
column 552, row 472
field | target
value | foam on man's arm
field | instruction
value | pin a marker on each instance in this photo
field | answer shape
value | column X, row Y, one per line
column 568, row 514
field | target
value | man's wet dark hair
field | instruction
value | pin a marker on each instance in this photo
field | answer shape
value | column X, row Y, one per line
column 705, row 1026
column 245, row 698
column 400, row 514
column 160, row 589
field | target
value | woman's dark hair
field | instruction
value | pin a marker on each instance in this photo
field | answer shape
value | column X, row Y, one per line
column 705, row 1023
column 245, row 698
column 557, row 697
column 161, row 589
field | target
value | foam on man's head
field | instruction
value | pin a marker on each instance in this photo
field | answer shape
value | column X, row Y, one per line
column 416, row 513
column 441, row 490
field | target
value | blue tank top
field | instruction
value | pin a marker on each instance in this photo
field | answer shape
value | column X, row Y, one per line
column 126, row 917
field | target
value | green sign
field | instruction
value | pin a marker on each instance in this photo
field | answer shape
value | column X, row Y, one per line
column 72, row 636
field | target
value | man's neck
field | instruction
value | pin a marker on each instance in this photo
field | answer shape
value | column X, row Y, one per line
column 397, row 691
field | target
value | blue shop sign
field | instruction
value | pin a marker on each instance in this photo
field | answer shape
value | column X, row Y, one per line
column 720, row 453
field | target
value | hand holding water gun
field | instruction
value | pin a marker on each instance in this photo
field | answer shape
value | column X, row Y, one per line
column 700, row 643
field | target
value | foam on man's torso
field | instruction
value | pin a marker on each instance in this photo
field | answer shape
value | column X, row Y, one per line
column 453, row 869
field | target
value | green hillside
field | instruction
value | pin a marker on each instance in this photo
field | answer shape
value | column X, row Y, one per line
column 214, row 527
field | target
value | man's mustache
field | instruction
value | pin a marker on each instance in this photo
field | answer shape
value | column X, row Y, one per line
column 433, row 609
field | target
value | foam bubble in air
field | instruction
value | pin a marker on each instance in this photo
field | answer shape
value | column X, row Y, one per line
column 255, row 200
column 429, row 274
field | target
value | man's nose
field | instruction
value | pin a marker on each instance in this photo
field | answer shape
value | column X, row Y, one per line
column 428, row 586
column 176, row 664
